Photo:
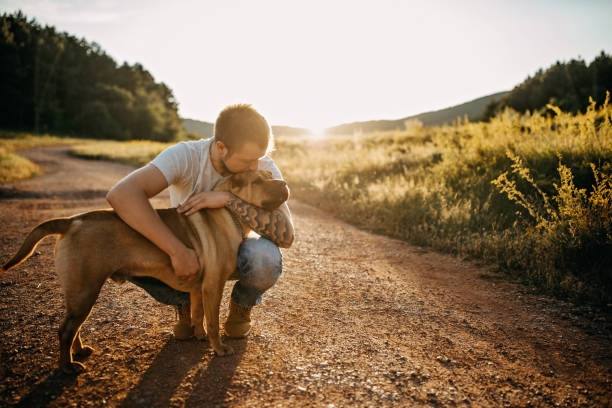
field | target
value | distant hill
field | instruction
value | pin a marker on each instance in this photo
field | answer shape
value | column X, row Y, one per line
column 201, row 129
column 205, row 130
column 289, row 131
column 473, row 109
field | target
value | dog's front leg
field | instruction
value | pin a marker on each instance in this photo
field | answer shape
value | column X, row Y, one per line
column 211, row 293
column 197, row 314
column 183, row 329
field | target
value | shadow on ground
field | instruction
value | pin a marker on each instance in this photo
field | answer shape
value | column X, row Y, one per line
column 186, row 370
column 47, row 390
column 82, row 194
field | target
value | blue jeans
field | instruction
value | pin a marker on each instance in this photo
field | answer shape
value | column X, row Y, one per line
column 260, row 263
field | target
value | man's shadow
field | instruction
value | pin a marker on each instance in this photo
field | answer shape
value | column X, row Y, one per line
column 174, row 363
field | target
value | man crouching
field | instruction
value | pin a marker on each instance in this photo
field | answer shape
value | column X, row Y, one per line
column 191, row 170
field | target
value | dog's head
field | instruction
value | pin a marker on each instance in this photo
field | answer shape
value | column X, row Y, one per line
column 258, row 188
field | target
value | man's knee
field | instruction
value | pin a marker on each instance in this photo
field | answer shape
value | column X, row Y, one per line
column 260, row 263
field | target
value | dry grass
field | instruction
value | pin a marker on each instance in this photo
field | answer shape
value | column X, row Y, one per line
column 14, row 167
column 433, row 186
column 136, row 152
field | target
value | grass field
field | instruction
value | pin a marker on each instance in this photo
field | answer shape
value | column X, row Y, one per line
column 135, row 152
column 14, row 167
column 530, row 193
column 519, row 192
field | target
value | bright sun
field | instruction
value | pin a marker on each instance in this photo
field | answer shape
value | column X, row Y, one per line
column 317, row 132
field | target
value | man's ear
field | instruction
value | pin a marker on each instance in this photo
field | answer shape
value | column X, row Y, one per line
column 221, row 148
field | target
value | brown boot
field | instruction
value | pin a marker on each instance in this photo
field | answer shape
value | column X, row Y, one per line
column 238, row 323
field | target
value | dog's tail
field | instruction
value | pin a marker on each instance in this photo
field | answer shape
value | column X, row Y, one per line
column 54, row 226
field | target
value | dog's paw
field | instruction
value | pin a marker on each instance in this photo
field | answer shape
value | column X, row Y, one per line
column 73, row 368
column 224, row 350
column 83, row 353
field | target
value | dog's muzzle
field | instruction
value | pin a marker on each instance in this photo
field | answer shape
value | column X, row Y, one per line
column 279, row 193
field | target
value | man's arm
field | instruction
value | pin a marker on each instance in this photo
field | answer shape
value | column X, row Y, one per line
column 274, row 225
column 130, row 199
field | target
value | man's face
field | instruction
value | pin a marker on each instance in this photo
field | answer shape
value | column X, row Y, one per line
column 243, row 158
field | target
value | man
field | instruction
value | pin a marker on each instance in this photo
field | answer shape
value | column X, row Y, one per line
column 192, row 170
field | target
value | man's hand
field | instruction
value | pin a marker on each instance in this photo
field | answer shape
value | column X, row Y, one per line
column 207, row 199
column 185, row 263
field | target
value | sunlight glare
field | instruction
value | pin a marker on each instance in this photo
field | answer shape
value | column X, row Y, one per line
column 317, row 133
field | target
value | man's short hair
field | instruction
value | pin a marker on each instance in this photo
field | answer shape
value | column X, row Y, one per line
column 240, row 123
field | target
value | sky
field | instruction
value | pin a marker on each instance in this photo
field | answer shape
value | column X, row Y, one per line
column 316, row 63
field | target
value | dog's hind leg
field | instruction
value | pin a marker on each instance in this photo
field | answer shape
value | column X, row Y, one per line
column 67, row 333
column 78, row 307
column 79, row 350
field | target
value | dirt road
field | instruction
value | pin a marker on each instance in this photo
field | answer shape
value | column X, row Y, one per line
column 355, row 320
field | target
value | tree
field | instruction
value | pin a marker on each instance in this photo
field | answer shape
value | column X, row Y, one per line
column 55, row 82
column 567, row 85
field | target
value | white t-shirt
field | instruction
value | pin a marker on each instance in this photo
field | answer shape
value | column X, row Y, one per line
column 188, row 169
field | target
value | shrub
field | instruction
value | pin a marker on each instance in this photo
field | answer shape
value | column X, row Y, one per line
column 570, row 232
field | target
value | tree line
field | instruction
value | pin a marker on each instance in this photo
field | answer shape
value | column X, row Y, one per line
column 566, row 85
column 54, row 82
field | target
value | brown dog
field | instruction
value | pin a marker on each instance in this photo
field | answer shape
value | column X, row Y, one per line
column 97, row 245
